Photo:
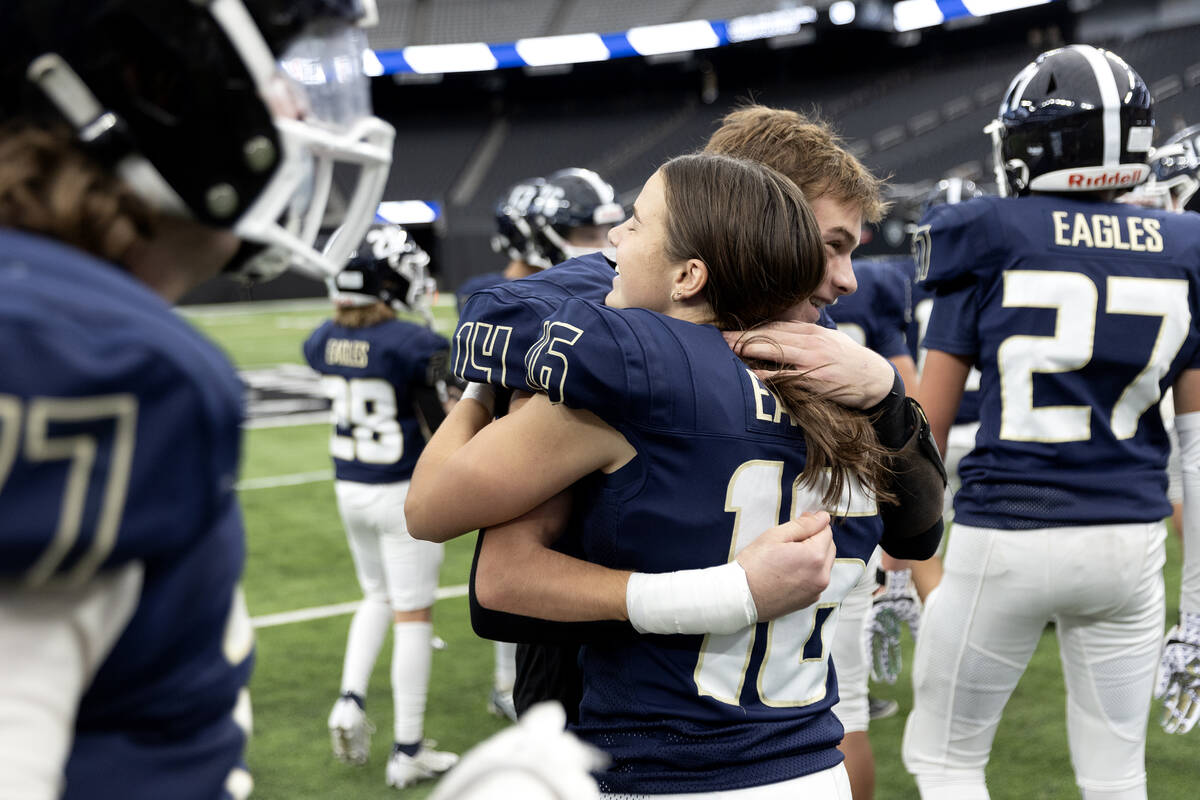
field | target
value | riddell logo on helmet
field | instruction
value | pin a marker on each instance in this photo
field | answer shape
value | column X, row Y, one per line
column 1120, row 177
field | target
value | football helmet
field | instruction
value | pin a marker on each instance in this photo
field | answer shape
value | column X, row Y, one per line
column 230, row 112
column 513, row 233
column 387, row 266
column 1076, row 119
column 569, row 199
column 1174, row 174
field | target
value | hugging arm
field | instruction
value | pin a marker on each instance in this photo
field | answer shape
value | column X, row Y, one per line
column 518, row 577
column 830, row 362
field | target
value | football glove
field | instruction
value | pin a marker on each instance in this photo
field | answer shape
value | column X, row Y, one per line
column 1179, row 675
column 898, row 604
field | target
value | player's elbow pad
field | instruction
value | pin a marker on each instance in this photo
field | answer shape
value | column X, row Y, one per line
column 915, row 548
column 918, row 481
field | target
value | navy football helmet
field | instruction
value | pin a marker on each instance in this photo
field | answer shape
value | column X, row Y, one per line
column 388, row 266
column 230, row 112
column 1077, row 119
column 569, row 199
column 513, row 233
column 1174, row 174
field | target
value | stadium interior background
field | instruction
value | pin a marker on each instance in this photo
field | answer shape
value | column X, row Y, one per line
column 912, row 104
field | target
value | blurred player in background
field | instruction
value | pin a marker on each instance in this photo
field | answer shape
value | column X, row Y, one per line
column 571, row 216
column 1172, row 186
column 386, row 380
column 511, row 239
column 124, row 184
column 1079, row 312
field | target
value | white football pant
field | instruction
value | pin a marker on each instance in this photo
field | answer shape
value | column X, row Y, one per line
column 1102, row 586
column 849, row 652
column 391, row 565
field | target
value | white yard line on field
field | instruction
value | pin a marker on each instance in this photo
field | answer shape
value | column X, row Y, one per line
column 287, row 420
column 338, row 609
column 275, row 481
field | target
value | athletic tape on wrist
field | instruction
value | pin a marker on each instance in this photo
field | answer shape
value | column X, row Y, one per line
column 712, row 600
column 482, row 393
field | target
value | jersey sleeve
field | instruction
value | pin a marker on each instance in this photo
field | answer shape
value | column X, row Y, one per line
column 953, row 321
column 590, row 357
column 496, row 328
column 954, row 244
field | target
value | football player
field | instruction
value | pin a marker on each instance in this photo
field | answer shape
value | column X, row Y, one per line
column 1078, row 312
column 623, row 418
column 497, row 320
column 386, row 379
column 145, row 146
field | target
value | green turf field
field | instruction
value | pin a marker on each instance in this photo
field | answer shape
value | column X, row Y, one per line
column 298, row 559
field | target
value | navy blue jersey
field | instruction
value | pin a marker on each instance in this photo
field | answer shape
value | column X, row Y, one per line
column 119, row 435
column 877, row 315
column 370, row 375
column 473, row 285
column 717, row 464
column 499, row 324
column 1079, row 315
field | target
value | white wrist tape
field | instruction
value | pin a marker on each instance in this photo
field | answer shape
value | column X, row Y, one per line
column 712, row 600
column 482, row 393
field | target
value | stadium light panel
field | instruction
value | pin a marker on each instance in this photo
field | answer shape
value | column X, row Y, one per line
column 983, row 8
column 842, row 12
column 372, row 66
column 572, row 49
column 770, row 25
column 472, row 57
column 911, row 15
column 677, row 37
column 408, row 212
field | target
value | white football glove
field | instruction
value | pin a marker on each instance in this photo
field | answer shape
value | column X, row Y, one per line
column 1179, row 675
column 534, row 759
column 898, row 604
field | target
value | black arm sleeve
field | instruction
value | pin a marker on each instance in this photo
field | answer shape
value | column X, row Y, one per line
column 502, row 626
column 918, row 474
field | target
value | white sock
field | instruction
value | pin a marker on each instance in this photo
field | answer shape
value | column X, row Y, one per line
column 367, row 629
column 506, row 666
column 411, row 657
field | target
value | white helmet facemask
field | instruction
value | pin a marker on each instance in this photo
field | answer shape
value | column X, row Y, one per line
column 319, row 98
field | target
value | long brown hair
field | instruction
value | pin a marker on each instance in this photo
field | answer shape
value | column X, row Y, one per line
column 363, row 316
column 50, row 187
column 753, row 229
